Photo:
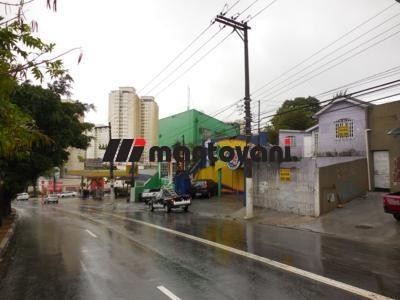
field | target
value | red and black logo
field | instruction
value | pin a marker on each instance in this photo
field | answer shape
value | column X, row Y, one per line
column 123, row 150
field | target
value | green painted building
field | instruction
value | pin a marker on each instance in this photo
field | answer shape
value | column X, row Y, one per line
column 192, row 128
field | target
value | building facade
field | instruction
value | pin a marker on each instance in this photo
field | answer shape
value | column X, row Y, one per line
column 148, row 123
column 383, row 146
column 294, row 139
column 341, row 127
column 124, row 112
column 193, row 128
column 356, row 148
column 100, row 137
column 132, row 116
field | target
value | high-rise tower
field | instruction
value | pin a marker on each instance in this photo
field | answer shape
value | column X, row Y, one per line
column 131, row 116
column 124, row 113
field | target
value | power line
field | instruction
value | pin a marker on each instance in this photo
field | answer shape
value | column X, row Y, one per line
column 368, row 101
column 336, row 50
column 359, row 104
column 369, row 89
column 329, row 45
column 328, row 68
column 194, row 53
column 194, row 64
column 366, row 90
column 351, row 105
column 247, row 8
column 176, row 57
column 206, row 117
column 185, row 61
column 324, row 48
column 362, row 92
column 261, row 10
column 378, row 76
column 197, row 37
column 202, row 119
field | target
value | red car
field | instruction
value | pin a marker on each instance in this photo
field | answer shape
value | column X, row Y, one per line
column 391, row 204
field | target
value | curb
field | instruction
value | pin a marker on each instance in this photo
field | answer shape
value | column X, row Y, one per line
column 6, row 240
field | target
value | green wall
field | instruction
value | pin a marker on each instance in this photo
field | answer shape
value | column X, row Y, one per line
column 193, row 127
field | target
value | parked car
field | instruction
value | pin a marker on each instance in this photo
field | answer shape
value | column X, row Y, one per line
column 167, row 198
column 67, row 194
column 121, row 192
column 148, row 194
column 51, row 198
column 391, row 204
column 203, row 188
column 22, row 196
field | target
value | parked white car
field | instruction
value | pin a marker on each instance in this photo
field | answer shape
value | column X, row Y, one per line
column 52, row 198
column 22, row 196
column 67, row 194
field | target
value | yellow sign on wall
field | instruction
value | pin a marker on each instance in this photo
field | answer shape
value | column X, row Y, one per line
column 284, row 174
column 343, row 131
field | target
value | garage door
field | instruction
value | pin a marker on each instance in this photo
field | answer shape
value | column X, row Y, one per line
column 381, row 169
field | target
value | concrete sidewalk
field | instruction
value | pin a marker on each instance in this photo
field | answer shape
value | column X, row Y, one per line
column 6, row 231
column 361, row 219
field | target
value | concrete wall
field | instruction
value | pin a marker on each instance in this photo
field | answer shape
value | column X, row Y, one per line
column 314, row 185
column 341, row 182
column 297, row 195
column 327, row 141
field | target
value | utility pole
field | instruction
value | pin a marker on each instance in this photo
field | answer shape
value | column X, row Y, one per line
column 111, row 168
column 241, row 28
column 258, row 138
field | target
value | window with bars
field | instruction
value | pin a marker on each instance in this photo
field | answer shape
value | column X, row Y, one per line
column 344, row 129
column 289, row 140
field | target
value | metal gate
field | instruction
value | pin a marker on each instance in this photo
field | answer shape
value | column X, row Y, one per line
column 381, row 169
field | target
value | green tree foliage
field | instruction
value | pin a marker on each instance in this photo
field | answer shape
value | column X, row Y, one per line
column 272, row 134
column 59, row 121
column 293, row 114
column 23, row 55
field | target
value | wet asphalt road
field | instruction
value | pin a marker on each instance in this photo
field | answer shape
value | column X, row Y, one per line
column 92, row 250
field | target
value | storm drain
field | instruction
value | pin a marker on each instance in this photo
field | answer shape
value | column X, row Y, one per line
column 363, row 226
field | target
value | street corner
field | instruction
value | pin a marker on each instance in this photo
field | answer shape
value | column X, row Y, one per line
column 7, row 230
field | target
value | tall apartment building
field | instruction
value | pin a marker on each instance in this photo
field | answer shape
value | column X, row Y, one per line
column 124, row 113
column 148, row 123
column 131, row 116
column 98, row 144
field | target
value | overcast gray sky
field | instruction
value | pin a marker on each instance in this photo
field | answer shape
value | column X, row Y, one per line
column 128, row 42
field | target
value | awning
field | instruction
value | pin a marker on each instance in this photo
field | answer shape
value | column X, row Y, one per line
column 97, row 173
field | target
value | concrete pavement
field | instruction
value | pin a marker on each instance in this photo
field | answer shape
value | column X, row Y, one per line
column 361, row 219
